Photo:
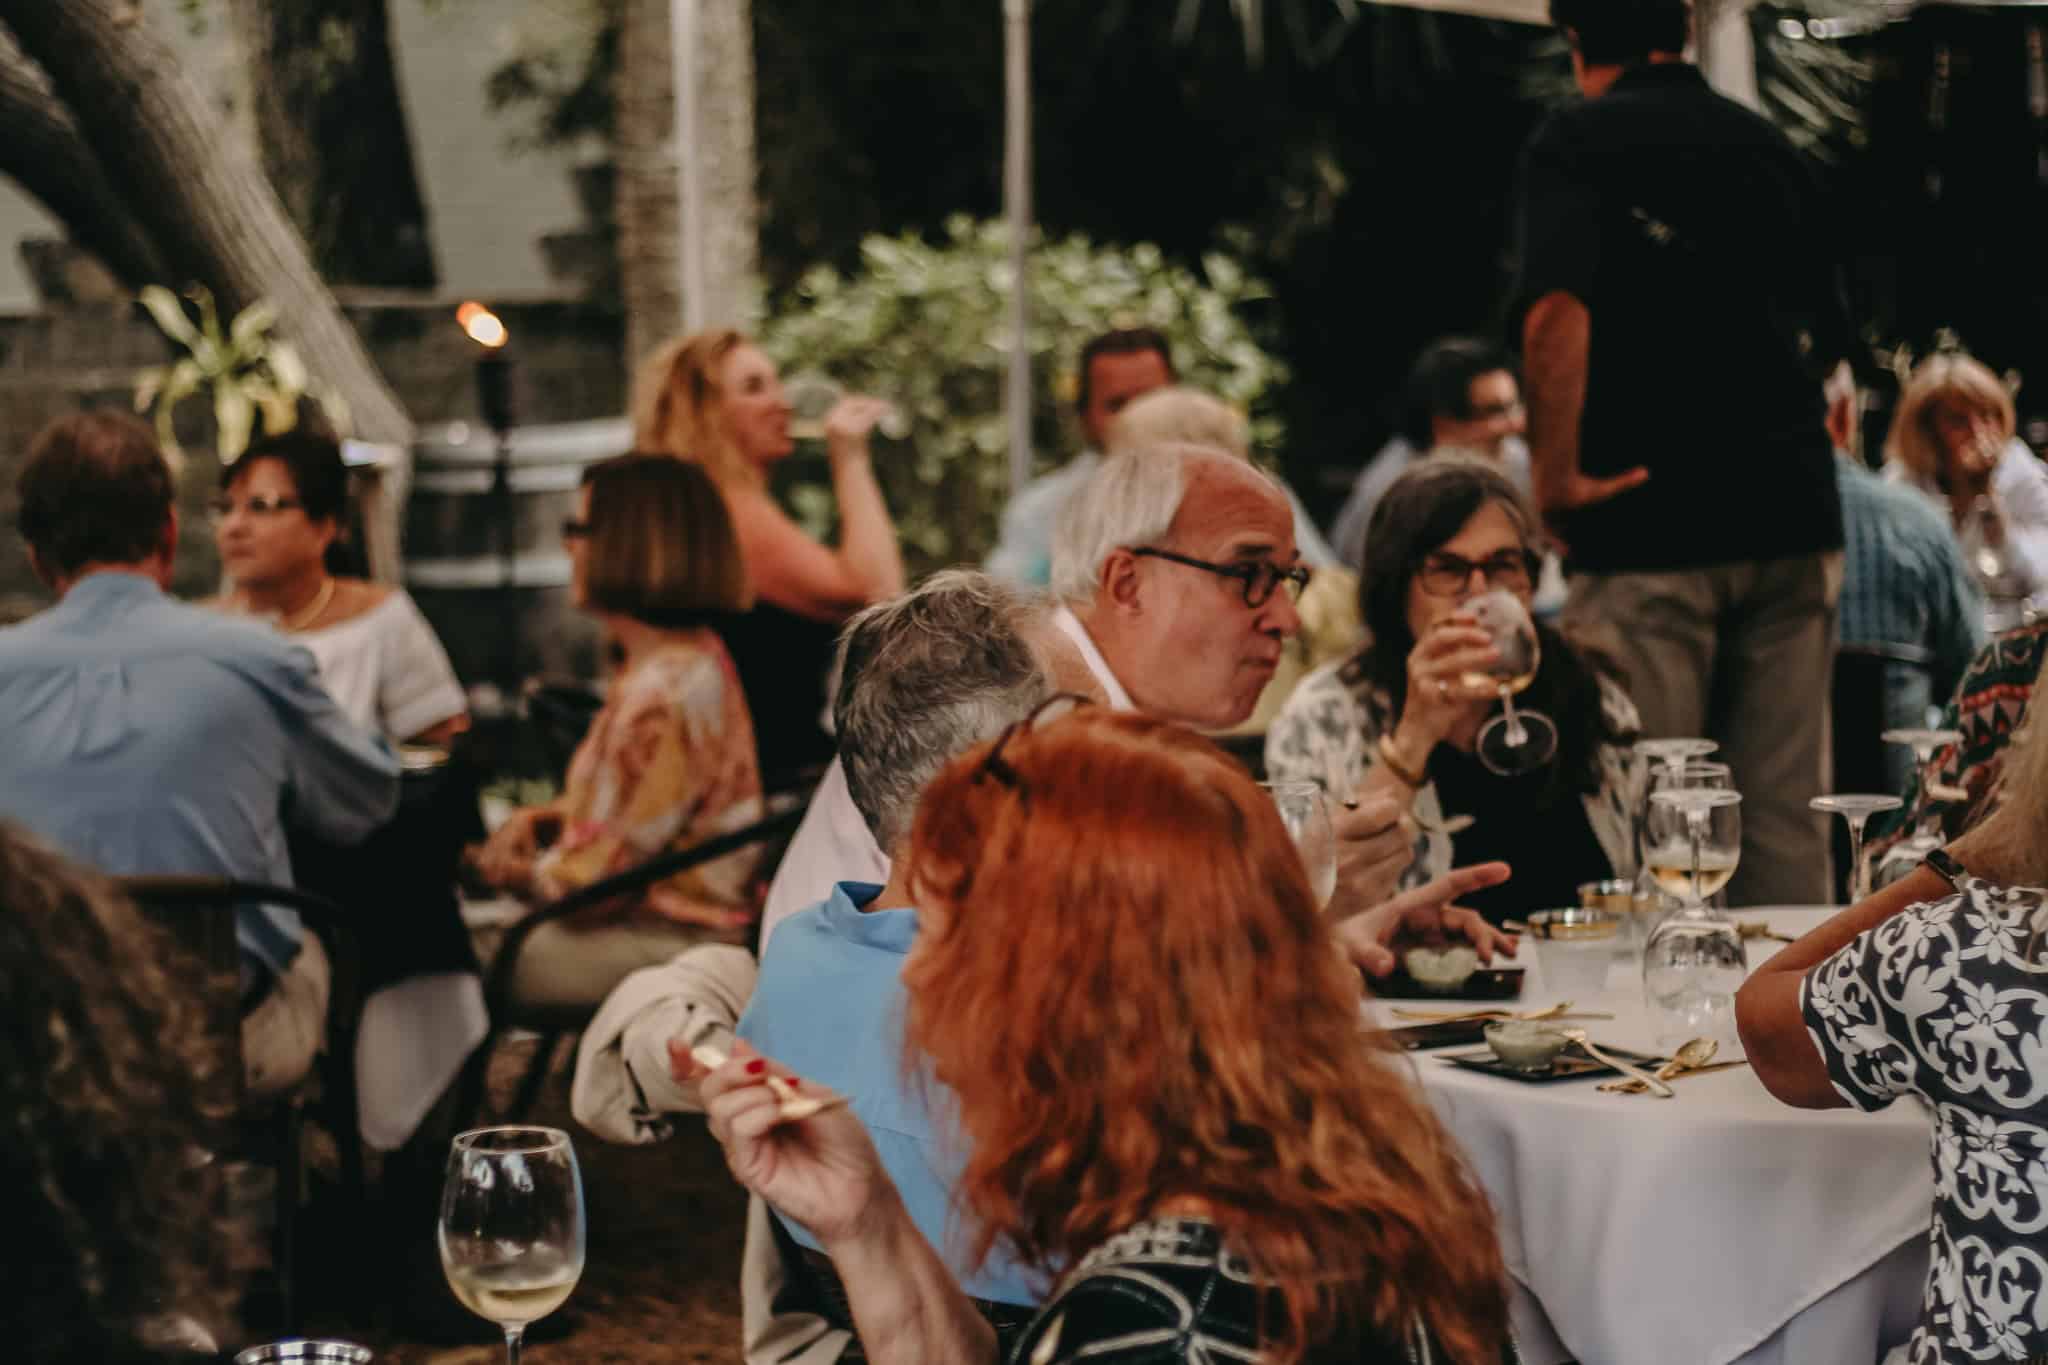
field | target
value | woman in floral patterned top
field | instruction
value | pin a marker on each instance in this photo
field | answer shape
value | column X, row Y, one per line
column 1937, row 987
column 668, row 762
column 1400, row 718
column 1987, row 708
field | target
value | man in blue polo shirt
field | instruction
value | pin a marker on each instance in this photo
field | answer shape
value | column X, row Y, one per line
column 926, row 677
column 143, row 735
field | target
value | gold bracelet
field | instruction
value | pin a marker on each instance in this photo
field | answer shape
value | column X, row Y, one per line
column 1392, row 760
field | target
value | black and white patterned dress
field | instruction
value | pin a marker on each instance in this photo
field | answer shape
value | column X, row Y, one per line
column 1942, row 1001
column 1168, row 1292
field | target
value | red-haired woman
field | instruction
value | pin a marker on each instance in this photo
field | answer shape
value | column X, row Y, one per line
column 1124, row 981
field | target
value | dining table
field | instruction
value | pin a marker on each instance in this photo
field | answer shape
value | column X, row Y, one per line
column 1715, row 1226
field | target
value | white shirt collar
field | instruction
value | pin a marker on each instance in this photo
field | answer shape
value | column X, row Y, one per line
column 1119, row 700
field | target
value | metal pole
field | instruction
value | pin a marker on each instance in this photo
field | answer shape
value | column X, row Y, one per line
column 689, row 176
column 1017, row 201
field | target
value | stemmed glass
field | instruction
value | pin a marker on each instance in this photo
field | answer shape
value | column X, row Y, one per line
column 811, row 395
column 1306, row 813
column 1908, row 853
column 1662, row 756
column 1856, row 810
column 1513, row 741
column 511, row 1229
column 1694, row 961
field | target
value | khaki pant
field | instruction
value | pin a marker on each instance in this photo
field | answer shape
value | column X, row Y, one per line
column 1742, row 654
column 288, row 1027
column 577, row 967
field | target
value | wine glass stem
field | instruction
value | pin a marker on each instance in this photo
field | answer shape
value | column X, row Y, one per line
column 515, row 1337
column 1694, row 833
column 1859, row 876
column 1516, row 736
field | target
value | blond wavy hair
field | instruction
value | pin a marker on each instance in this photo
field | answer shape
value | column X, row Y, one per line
column 1126, row 982
column 1953, row 381
column 679, row 406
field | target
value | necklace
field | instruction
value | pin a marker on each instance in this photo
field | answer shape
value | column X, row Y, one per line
column 312, row 612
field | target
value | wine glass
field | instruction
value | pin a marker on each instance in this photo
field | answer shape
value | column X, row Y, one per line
column 1306, row 813
column 1514, row 741
column 810, row 396
column 1856, row 810
column 511, row 1229
column 1927, row 835
column 1693, row 962
column 1659, row 756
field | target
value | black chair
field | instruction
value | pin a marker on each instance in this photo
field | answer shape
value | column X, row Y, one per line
column 553, row 1023
column 200, row 911
column 1861, row 682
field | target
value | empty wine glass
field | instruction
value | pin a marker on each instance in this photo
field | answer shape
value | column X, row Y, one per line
column 1927, row 835
column 811, row 395
column 1693, row 962
column 1514, row 741
column 1306, row 813
column 1856, row 810
column 511, row 1229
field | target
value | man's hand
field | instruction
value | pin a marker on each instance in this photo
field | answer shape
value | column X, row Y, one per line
column 1425, row 916
column 1375, row 844
column 1556, row 338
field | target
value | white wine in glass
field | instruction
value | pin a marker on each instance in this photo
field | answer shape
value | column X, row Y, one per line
column 511, row 1230
column 1515, row 741
column 1671, row 867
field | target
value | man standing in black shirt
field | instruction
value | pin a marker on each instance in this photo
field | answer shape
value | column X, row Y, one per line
column 1679, row 308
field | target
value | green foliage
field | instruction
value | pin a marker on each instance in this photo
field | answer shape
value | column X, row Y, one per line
column 243, row 369
column 924, row 324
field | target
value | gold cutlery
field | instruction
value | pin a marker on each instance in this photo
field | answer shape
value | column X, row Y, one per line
column 1650, row 1083
column 1636, row 1087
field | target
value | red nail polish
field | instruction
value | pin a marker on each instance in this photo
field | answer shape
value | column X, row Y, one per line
column 756, row 1067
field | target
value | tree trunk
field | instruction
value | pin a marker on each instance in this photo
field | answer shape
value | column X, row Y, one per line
column 331, row 128
column 46, row 154
column 205, row 202
column 644, row 141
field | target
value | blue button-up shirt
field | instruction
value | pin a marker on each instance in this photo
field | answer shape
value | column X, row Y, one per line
column 1904, row 582
column 829, row 1006
column 142, row 735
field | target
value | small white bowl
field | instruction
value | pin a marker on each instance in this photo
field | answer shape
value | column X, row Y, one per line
column 1525, row 1044
column 1442, row 971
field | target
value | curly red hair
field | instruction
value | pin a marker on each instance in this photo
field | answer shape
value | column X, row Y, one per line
column 1124, row 978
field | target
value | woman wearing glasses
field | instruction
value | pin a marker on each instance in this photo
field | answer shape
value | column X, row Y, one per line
column 668, row 762
column 277, row 521
column 1403, row 716
column 1129, row 992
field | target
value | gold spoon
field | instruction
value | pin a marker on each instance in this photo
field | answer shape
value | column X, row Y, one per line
column 1650, row 1083
column 1636, row 1088
column 1691, row 1055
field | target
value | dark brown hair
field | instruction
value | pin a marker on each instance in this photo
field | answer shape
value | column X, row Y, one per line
column 662, row 545
column 1121, row 341
column 1124, row 979
column 95, row 490
column 314, row 463
column 106, row 1060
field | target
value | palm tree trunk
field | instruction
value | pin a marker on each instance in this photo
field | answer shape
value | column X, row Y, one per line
column 204, row 202
column 650, row 265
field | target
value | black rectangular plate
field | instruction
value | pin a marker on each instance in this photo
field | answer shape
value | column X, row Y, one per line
column 1488, row 983
column 1570, row 1065
column 1445, row 1033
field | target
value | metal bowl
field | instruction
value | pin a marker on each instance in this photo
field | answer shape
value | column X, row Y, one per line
column 322, row 1352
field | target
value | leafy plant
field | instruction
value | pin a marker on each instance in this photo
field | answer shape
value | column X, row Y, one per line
column 924, row 324
column 244, row 368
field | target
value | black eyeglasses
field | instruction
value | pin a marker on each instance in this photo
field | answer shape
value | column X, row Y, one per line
column 220, row 509
column 1054, row 707
column 1445, row 574
column 572, row 529
column 1258, row 578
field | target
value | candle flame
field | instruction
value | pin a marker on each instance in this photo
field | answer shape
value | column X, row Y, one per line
column 483, row 326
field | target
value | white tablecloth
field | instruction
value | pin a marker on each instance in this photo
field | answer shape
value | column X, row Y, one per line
column 1715, row 1227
